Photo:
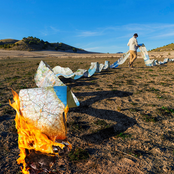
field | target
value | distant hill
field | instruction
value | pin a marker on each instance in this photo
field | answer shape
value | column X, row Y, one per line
column 8, row 41
column 35, row 44
column 168, row 47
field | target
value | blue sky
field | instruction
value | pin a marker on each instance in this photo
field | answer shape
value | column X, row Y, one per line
column 94, row 25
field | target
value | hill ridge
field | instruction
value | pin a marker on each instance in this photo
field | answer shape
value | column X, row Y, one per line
column 31, row 43
column 169, row 47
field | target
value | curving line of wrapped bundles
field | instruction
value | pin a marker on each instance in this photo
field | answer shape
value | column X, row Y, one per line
column 96, row 67
column 152, row 62
column 68, row 73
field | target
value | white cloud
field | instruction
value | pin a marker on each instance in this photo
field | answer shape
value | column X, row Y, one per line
column 54, row 29
column 89, row 33
column 103, row 48
column 164, row 35
column 134, row 27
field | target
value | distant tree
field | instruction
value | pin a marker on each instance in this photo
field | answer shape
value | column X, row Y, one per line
column 75, row 50
column 8, row 46
column 38, row 42
column 31, row 42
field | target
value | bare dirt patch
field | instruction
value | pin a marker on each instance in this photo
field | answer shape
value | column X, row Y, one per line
column 125, row 120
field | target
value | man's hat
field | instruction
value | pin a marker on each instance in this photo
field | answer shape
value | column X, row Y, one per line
column 136, row 34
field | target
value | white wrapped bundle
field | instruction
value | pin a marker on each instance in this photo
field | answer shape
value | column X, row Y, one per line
column 44, row 108
column 107, row 65
column 101, row 66
column 65, row 72
column 95, row 65
column 45, row 77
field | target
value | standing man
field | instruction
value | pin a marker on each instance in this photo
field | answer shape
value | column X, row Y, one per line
column 133, row 46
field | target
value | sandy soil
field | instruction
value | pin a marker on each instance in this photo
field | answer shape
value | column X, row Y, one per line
column 10, row 54
column 136, row 103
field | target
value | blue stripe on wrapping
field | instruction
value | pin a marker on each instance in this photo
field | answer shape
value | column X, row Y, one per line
column 64, row 75
column 114, row 65
column 77, row 103
column 91, row 72
column 77, row 77
column 141, row 44
column 61, row 92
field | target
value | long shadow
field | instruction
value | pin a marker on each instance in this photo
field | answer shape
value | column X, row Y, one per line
column 6, row 117
column 100, row 95
column 123, row 121
column 81, row 82
column 104, row 72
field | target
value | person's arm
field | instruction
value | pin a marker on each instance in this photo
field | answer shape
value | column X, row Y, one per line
column 136, row 43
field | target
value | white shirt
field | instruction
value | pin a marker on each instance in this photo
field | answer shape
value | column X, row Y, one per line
column 133, row 44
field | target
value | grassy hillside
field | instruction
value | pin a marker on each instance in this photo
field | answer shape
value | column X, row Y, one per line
column 168, row 47
column 35, row 44
column 8, row 41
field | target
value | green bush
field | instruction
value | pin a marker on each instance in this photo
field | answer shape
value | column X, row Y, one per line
column 78, row 154
column 32, row 40
column 75, row 50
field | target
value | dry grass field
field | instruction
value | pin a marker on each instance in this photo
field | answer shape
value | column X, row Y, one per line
column 124, row 123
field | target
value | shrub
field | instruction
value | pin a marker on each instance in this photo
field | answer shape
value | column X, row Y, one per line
column 32, row 40
column 5, row 45
column 123, row 135
column 78, row 154
column 75, row 50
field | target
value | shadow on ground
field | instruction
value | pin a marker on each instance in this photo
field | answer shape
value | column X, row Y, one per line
column 123, row 121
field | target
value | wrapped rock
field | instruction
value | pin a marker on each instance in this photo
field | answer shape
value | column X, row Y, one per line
column 44, row 108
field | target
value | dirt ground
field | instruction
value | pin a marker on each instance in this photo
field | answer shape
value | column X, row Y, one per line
column 125, row 120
